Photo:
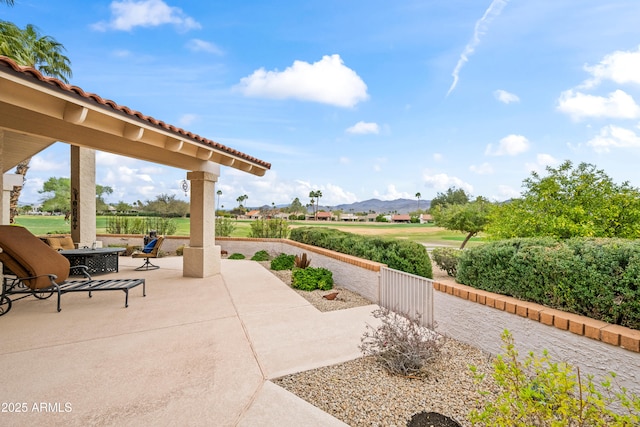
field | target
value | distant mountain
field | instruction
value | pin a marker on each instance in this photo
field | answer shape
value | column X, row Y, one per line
column 401, row 206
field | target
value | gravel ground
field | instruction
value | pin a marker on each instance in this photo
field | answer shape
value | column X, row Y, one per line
column 361, row 392
column 344, row 299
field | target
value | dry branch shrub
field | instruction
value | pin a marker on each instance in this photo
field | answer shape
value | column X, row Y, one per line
column 402, row 345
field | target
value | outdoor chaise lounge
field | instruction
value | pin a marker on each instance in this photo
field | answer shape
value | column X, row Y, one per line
column 154, row 252
column 31, row 267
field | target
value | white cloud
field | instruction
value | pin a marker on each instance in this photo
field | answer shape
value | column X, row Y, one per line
column 510, row 145
column 506, row 97
column 542, row 161
column 618, row 105
column 437, row 157
column 614, row 137
column 362, row 128
column 327, row 81
column 620, row 66
column 442, row 182
column 483, row 169
column 187, row 119
column 197, row 45
column 507, row 192
column 392, row 193
column 481, row 27
column 128, row 14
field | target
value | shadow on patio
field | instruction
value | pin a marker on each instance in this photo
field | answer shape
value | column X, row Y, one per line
column 192, row 352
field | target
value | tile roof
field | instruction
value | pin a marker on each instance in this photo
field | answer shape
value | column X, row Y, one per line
column 31, row 73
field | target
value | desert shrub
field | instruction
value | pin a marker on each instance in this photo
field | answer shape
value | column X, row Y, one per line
column 446, row 259
column 261, row 256
column 410, row 257
column 180, row 250
column 283, row 262
column 402, row 345
column 301, row 261
column 140, row 225
column 269, row 228
column 537, row 391
column 312, row 278
column 236, row 256
column 597, row 278
column 224, row 226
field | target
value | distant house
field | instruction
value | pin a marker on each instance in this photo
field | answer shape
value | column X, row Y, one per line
column 401, row 218
column 322, row 216
column 349, row 217
column 371, row 217
column 254, row 214
column 426, row 218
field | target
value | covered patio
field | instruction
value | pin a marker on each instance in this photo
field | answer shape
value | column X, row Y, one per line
column 37, row 111
column 194, row 351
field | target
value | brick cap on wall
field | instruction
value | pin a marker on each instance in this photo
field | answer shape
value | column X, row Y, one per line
column 621, row 336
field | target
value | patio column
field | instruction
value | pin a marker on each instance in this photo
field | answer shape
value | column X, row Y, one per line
column 83, row 195
column 202, row 257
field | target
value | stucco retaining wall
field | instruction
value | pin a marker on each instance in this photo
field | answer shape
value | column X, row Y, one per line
column 352, row 273
column 472, row 316
column 169, row 246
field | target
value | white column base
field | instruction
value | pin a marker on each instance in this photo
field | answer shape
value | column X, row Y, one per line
column 201, row 262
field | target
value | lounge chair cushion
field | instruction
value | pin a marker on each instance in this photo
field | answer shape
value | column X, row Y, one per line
column 26, row 256
column 59, row 243
column 148, row 248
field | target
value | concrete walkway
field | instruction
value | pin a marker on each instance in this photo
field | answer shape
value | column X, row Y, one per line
column 193, row 352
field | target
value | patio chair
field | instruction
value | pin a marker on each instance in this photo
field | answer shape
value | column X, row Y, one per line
column 154, row 253
column 33, row 268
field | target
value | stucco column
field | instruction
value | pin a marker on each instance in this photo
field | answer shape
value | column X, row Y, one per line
column 202, row 257
column 7, row 182
column 83, row 195
column 4, row 202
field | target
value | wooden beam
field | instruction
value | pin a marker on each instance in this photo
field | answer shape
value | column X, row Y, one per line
column 74, row 113
column 173, row 144
column 132, row 132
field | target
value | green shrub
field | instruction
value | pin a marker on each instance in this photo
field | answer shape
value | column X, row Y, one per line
column 598, row 278
column 312, row 278
column 403, row 255
column 283, row 262
column 539, row 392
column 269, row 228
column 261, row 256
column 446, row 259
column 224, row 226
column 236, row 256
column 180, row 250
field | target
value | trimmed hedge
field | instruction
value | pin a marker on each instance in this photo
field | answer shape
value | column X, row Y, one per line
column 403, row 255
column 598, row 278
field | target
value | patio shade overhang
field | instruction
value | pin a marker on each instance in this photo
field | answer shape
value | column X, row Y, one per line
column 37, row 111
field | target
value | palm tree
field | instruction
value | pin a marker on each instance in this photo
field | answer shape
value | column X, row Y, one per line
column 219, row 193
column 418, row 195
column 315, row 197
column 29, row 48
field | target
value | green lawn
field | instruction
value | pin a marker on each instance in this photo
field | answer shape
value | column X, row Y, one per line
column 422, row 233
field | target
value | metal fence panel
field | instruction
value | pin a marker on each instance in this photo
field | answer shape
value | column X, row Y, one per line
column 407, row 294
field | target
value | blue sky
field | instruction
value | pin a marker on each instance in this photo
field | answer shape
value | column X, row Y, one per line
column 358, row 99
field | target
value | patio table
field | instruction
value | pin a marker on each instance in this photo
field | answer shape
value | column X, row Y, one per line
column 99, row 260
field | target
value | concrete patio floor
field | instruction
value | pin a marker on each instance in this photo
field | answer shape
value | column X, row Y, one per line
column 192, row 352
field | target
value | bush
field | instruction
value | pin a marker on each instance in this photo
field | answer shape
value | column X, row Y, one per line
column 140, row 225
column 410, row 257
column 283, row 262
column 446, row 259
column 312, row 278
column 400, row 344
column 261, row 256
column 540, row 392
column 236, row 256
column 598, row 278
column 180, row 250
column 269, row 228
column 224, row 226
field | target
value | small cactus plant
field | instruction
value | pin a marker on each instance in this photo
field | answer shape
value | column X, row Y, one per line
column 302, row 261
